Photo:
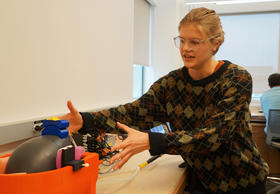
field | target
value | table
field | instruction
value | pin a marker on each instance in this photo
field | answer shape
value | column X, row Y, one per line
column 269, row 154
column 159, row 177
column 257, row 116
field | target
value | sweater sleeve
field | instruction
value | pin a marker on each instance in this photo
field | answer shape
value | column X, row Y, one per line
column 231, row 117
column 142, row 114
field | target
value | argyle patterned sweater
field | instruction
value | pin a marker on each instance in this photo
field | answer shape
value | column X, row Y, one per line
column 210, row 122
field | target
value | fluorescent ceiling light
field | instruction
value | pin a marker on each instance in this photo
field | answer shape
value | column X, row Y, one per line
column 223, row 2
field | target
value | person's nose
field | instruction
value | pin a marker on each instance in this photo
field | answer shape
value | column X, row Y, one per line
column 186, row 47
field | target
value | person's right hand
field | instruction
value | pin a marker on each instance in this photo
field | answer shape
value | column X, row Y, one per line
column 74, row 117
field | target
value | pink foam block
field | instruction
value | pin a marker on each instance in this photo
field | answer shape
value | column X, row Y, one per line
column 79, row 151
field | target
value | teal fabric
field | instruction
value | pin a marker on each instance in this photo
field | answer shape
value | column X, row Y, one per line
column 270, row 100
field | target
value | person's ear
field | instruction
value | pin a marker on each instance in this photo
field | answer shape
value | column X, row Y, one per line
column 216, row 44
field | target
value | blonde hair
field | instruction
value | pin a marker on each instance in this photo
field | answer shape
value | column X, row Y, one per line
column 208, row 20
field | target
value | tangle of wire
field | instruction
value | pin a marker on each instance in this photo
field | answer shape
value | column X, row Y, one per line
column 97, row 144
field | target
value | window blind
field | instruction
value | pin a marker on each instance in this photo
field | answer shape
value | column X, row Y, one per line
column 141, row 32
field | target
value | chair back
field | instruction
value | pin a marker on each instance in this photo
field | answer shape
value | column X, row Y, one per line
column 273, row 125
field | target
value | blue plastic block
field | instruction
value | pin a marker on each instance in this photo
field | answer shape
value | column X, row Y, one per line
column 53, row 130
column 62, row 124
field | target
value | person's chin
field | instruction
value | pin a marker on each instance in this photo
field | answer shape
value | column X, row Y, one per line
column 189, row 64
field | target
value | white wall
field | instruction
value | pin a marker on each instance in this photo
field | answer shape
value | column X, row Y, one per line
column 51, row 51
column 165, row 56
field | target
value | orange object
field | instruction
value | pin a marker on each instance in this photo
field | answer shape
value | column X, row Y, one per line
column 3, row 163
column 59, row 181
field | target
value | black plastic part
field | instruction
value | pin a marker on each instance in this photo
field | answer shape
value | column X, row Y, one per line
column 153, row 158
column 76, row 164
column 67, row 155
column 183, row 165
column 38, row 127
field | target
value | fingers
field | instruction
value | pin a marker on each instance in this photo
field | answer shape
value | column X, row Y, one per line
column 71, row 107
column 122, row 146
column 64, row 117
column 72, row 110
column 119, row 146
column 135, row 142
column 122, row 161
column 124, row 127
column 122, row 158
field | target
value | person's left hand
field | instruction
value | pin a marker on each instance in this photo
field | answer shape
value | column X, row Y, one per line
column 135, row 142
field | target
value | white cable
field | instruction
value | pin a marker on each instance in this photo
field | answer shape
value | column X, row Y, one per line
column 109, row 170
column 105, row 179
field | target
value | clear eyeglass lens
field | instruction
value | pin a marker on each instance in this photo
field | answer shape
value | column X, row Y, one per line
column 177, row 42
column 193, row 44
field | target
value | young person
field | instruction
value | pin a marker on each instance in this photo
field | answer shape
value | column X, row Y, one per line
column 271, row 98
column 206, row 103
